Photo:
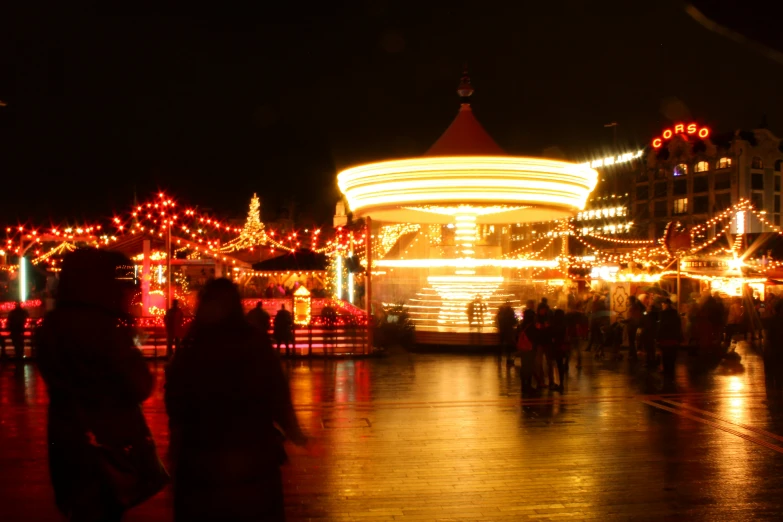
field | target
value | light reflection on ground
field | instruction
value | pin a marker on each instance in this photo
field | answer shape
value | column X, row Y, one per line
column 427, row 436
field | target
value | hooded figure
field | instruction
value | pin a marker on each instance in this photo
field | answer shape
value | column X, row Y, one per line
column 96, row 379
column 226, row 451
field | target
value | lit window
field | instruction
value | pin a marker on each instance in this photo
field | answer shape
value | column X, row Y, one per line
column 701, row 166
column 723, row 163
column 681, row 206
column 756, row 163
column 681, row 169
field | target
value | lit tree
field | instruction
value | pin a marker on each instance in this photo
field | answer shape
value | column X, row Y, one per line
column 253, row 233
column 254, row 228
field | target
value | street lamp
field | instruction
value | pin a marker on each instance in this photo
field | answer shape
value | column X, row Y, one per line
column 614, row 130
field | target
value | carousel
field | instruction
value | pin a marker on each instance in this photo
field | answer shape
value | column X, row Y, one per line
column 441, row 224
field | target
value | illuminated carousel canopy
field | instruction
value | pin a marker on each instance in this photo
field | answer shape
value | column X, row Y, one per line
column 466, row 173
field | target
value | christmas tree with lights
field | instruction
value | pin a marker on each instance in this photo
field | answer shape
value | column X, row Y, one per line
column 254, row 228
column 253, row 233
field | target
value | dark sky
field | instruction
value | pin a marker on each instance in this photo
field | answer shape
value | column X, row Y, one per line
column 214, row 106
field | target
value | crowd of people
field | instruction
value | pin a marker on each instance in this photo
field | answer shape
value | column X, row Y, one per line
column 279, row 290
column 651, row 328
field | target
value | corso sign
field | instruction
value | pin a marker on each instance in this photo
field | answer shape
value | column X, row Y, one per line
column 680, row 128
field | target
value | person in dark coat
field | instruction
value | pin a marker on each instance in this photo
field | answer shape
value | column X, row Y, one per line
column 598, row 320
column 669, row 336
column 175, row 328
column 542, row 343
column 284, row 329
column 259, row 318
column 96, row 379
column 544, row 305
column 226, row 451
column 506, row 322
column 17, row 322
column 525, row 333
column 470, row 311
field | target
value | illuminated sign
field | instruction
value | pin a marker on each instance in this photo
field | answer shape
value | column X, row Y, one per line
column 613, row 160
column 717, row 264
column 600, row 213
column 681, row 128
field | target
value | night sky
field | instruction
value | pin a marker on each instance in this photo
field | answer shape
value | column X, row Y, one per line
column 213, row 106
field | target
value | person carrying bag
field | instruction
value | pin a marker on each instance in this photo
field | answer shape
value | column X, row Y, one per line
column 102, row 459
column 526, row 353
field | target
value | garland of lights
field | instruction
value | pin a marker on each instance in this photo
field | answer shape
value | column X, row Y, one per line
column 624, row 241
column 206, row 235
column 152, row 218
column 526, row 246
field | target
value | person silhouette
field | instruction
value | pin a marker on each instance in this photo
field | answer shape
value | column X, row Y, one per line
column 96, row 379
column 259, row 318
column 174, row 320
column 226, row 451
column 17, row 323
column 284, row 329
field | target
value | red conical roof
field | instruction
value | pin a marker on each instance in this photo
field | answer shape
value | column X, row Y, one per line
column 465, row 137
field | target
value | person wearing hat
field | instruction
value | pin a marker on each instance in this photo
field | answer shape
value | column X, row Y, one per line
column 669, row 336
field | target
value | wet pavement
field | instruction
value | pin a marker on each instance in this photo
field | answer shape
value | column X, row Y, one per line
column 429, row 437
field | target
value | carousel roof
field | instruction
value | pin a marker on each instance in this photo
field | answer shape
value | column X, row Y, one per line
column 465, row 137
column 466, row 172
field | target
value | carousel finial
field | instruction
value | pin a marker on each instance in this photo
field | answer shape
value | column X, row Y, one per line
column 465, row 89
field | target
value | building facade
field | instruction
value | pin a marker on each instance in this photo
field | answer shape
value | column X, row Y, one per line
column 692, row 177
